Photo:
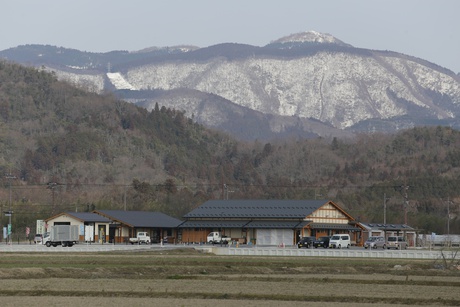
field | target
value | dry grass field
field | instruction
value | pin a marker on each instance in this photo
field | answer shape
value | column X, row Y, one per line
column 186, row 277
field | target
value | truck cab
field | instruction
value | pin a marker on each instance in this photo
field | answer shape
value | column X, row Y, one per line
column 142, row 237
column 216, row 237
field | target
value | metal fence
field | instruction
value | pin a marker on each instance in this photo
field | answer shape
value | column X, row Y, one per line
column 435, row 240
column 350, row 253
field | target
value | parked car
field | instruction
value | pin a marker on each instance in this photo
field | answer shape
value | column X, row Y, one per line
column 321, row 242
column 38, row 238
column 306, row 242
column 340, row 240
column 141, row 237
column 396, row 242
column 375, row 242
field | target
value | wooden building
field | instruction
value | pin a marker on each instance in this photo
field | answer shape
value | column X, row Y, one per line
column 92, row 227
column 117, row 226
column 126, row 224
column 268, row 222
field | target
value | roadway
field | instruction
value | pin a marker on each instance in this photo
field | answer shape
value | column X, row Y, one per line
column 81, row 247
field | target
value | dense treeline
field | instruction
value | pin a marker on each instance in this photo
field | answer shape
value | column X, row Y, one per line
column 65, row 149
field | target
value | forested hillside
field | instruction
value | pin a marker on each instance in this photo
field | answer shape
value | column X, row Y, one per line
column 65, row 149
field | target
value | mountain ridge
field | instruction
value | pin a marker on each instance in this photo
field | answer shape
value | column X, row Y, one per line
column 68, row 149
column 307, row 75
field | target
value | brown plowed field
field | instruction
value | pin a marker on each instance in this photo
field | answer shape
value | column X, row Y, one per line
column 185, row 277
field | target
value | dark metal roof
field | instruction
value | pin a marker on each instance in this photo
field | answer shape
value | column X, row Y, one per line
column 213, row 224
column 381, row 226
column 89, row 217
column 333, row 226
column 243, row 224
column 289, row 209
column 141, row 218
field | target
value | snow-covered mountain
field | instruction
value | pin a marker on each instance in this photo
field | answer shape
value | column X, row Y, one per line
column 309, row 37
column 309, row 77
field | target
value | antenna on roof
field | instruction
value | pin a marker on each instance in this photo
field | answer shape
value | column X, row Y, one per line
column 318, row 194
column 227, row 191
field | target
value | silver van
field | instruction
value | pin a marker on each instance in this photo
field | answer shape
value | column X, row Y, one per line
column 340, row 240
column 375, row 242
column 396, row 242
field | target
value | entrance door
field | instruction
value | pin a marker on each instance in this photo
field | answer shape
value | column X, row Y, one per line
column 274, row 236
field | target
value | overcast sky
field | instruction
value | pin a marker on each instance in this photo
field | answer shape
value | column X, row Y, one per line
column 428, row 29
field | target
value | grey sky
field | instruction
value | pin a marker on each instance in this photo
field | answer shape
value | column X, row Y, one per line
column 428, row 29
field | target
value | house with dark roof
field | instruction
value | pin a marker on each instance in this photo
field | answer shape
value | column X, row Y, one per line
column 268, row 222
column 126, row 224
column 117, row 226
column 92, row 227
column 387, row 230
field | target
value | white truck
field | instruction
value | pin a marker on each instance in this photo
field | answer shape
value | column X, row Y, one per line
column 65, row 235
column 216, row 237
column 141, row 238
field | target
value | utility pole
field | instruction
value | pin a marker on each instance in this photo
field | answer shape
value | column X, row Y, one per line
column 52, row 186
column 448, row 219
column 224, row 186
column 385, row 208
column 406, row 202
column 124, row 198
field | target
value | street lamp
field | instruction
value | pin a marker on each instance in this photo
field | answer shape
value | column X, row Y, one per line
column 448, row 218
column 448, row 214
column 10, row 212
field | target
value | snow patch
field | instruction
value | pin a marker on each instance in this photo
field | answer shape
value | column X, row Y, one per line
column 309, row 36
column 119, row 81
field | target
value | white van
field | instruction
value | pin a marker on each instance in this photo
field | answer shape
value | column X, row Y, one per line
column 340, row 240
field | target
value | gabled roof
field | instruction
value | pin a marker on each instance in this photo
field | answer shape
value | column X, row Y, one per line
column 256, row 209
column 214, row 224
column 83, row 217
column 141, row 218
column 89, row 217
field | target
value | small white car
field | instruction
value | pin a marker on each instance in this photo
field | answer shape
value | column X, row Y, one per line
column 340, row 241
column 38, row 238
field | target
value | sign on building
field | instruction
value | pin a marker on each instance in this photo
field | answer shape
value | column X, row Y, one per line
column 40, row 227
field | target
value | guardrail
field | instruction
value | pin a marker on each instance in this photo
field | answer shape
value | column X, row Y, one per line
column 439, row 240
column 350, row 253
